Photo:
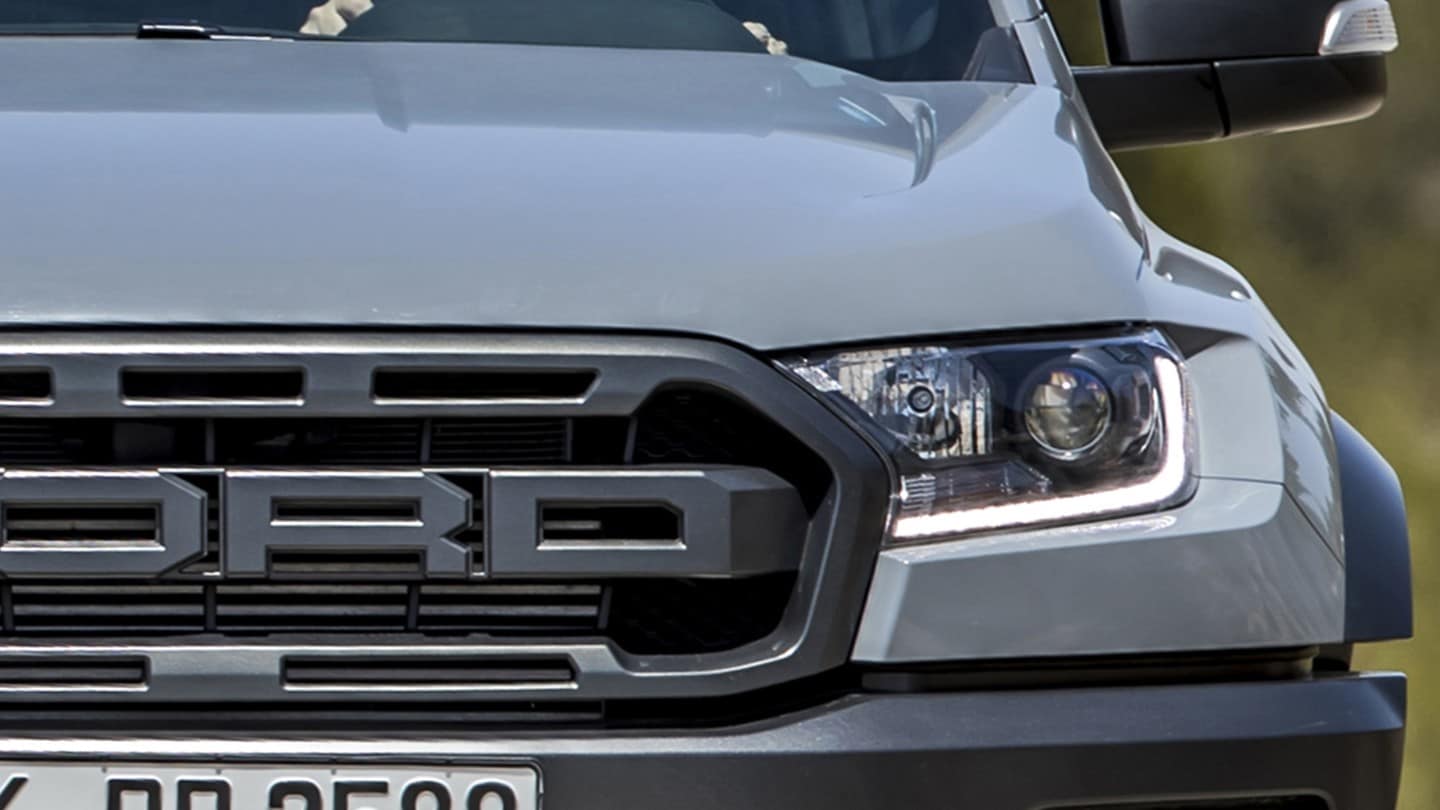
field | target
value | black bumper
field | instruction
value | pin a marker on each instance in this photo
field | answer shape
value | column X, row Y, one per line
column 1336, row 738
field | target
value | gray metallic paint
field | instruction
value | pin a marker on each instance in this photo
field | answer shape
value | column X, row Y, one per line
column 1261, row 564
column 477, row 186
column 1237, row 567
column 1245, row 564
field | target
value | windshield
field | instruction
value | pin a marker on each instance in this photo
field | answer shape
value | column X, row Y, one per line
column 907, row 40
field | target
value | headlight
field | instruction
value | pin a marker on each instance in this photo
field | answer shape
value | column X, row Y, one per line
column 997, row 437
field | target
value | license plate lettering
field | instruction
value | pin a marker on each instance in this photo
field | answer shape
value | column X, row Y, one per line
column 169, row 787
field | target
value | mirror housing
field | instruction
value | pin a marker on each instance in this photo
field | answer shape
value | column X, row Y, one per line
column 1190, row 71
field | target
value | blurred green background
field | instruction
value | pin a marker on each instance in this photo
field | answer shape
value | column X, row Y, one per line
column 1339, row 229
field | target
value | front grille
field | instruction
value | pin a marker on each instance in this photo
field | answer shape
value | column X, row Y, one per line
column 523, row 520
column 653, row 618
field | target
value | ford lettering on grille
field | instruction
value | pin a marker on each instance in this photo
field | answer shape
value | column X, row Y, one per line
column 265, row 511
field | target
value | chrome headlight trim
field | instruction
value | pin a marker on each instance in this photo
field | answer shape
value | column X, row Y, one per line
column 991, row 478
column 1172, row 478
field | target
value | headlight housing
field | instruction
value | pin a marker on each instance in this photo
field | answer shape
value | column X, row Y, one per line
column 991, row 437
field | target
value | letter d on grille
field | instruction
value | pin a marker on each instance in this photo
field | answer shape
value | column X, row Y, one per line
column 96, row 523
column 319, row 512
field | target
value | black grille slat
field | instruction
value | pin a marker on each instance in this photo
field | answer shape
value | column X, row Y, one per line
column 488, row 611
column 107, row 609
column 32, row 442
column 142, row 609
column 313, row 608
column 494, row 441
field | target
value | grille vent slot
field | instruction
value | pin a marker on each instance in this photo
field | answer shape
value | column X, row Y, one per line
column 210, row 386
column 478, row 385
column 426, row 671
column 80, row 524
column 27, row 671
column 25, row 386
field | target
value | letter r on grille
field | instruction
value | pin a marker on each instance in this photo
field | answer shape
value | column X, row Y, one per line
column 399, row 511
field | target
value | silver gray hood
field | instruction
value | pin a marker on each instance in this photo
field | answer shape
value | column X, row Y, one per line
column 766, row 200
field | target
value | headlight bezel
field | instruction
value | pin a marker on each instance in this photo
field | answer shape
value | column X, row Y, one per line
column 930, row 502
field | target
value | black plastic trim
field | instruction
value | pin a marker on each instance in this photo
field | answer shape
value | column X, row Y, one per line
column 1100, row 670
column 1139, row 107
column 1267, row 801
column 1142, row 106
column 1377, row 540
column 1147, row 31
column 1273, row 95
column 1339, row 737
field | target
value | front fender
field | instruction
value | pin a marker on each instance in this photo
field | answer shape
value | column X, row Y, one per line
column 1377, row 540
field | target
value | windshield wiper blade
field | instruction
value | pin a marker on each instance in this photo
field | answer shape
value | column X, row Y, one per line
column 194, row 29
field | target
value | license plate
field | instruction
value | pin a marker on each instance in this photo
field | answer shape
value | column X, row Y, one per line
column 65, row 786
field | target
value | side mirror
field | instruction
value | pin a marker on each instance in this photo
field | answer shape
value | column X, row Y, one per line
column 1188, row 71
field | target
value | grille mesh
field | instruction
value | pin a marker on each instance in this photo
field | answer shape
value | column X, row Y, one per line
column 644, row 617
column 147, row 609
column 495, row 441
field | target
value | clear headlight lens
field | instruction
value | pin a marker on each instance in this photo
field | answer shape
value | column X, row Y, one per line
column 997, row 437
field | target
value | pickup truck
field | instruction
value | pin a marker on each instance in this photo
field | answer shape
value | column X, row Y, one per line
column 649, row 404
